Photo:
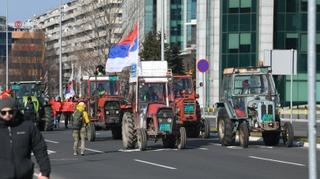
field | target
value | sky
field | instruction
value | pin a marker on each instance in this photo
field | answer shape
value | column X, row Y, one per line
column 25, row 9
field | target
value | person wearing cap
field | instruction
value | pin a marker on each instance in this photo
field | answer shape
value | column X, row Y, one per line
column 79, row 129
column 20, row 138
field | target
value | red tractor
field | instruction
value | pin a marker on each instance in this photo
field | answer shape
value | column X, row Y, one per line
column 152, row 116
column 187, row 107
column 105, row 105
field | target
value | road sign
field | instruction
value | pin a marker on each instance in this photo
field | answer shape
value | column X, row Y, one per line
column 203, row 65
column 18, row 24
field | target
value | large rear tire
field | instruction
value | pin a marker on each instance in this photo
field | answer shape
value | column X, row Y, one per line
column 91, row 132
column 116, row 132
column 181, row 140
column 129, row 138
column 287, row 134
column 271, row 138
column 142, row 139
column 47, row 119
column 225, row 128
column 244, row 135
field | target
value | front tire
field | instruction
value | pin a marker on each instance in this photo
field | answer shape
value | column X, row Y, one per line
column 205, row 128
column 225, row 128
column 244, row 135
column 181, row 140
column 142, row 139
column 91, row 132
column 129, row 138
column 288, row 134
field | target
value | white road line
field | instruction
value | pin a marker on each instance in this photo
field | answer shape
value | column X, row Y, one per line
column 202, row 148
column 155, row 164
column 51, row 141
column 51, row 152
column 129, row 150
column 278, row 161
column 93, row 150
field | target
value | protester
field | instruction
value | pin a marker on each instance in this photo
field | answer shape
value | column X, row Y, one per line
column 29, row 110
column 79, row 122
column 19, row 138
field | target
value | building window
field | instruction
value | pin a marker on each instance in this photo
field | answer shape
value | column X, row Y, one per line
column 292, row 41
column 233, row 42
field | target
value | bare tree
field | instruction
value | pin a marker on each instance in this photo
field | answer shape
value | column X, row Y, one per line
column 103, row 29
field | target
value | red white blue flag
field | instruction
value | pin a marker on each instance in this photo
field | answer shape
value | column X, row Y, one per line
column 124, row 54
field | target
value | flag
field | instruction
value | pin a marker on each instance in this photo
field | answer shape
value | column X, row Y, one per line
column 124, row 53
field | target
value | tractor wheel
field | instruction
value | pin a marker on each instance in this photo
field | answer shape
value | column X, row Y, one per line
column 91, row 132
column 225, row 128
column 205, row 128
column 181, row 140
column 116, row 132
column 142, row 139
column 244, row 135
column 168, row 141
column 271, row 138
column 47, row 119
column 129, row 138
column 287, row 134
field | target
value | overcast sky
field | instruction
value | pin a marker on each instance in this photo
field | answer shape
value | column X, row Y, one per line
column 25, row 9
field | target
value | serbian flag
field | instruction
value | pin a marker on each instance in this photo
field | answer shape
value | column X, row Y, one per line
column 124, row 53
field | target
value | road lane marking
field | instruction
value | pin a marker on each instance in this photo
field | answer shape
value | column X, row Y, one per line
column 51, row 141
column 203, row 148
column 155, row 164
column 93, row 150
column 48, row 151
column 278, row 161
column 129, row 150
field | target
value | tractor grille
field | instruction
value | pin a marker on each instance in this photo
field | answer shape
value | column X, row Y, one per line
column 189, row 108
column 165, row 119
column 112, row 108
column 266, row 113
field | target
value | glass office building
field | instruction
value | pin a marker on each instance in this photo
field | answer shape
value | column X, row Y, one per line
column 240, row 30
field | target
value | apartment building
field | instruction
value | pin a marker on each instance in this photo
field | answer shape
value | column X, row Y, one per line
column 89, row 28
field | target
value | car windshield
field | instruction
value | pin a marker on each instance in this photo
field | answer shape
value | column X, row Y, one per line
column 252, row 84
column 104, row 87
column 21, row 90
column 182, row 85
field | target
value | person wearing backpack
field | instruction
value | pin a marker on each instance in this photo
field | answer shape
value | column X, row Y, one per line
column 79, row 122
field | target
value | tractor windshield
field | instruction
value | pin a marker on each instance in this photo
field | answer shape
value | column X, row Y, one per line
column 182, row 85
column 27, row 89
column 253, row 84
column 152, row 92
column 104, row 87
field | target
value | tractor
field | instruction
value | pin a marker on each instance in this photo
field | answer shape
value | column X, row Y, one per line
column 105, row 104
column 248, row 103
column 34, row 89
column 187, row 107
column 152, row 115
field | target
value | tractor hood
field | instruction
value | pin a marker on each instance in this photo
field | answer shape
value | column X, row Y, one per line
column 154, row 107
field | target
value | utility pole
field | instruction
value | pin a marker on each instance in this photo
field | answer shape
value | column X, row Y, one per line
column 60, row 53
column 162, row 30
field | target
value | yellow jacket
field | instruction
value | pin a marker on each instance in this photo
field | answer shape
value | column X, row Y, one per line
column 85, row 116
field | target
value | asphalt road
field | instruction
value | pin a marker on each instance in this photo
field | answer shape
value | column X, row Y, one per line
column 203, row 158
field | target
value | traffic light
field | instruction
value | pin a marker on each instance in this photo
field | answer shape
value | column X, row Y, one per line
column 100, row 70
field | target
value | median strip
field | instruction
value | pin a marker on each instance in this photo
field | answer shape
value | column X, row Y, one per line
column 155, row 164
column 278, row 161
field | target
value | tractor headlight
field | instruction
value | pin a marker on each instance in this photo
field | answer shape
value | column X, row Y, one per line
column 107, row 112
column 117, row 112
column 169, row 120
column 160, row 120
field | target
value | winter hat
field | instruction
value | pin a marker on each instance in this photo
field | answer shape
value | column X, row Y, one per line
column 8, row 102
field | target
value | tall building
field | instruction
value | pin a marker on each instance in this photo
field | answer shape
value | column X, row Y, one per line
column 179, row 19
column 235, row 33
column 26, row 56
column 89, row 29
